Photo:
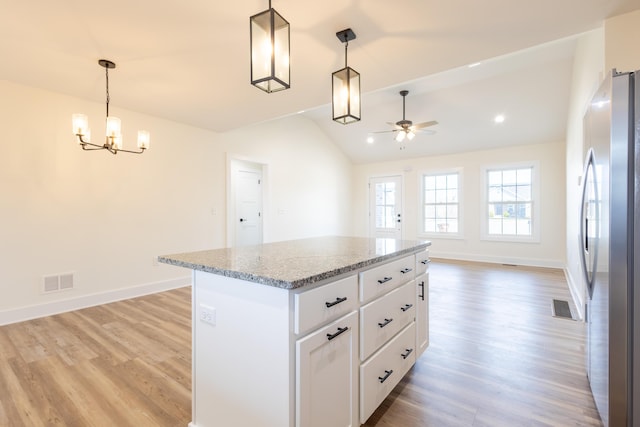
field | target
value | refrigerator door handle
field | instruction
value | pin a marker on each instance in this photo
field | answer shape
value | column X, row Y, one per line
column 589, row 178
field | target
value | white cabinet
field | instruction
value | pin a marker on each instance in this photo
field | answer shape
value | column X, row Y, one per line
column 381, row 373
column 383, row 318
column 317, row 356
column 327, row 375
column 324, row 303
column 422, row 313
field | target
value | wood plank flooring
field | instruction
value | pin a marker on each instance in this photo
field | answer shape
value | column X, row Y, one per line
column 496, row 358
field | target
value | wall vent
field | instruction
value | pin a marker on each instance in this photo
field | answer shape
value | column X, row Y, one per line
column 59, row 282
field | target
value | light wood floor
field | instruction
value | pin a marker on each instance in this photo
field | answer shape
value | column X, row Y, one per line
column 497, row 358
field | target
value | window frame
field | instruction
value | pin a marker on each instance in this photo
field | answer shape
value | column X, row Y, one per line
column 535, row 202
column 421, row 220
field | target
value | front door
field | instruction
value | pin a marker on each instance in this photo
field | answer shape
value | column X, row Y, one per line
column 385, row 207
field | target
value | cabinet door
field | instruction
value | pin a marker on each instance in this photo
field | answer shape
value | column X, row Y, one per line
column 327, row 375
column 422, row 313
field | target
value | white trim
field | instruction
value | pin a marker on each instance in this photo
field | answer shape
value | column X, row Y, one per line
column 535, row 203
column 529, row 262
column 56, row 307
column 578, row 297
column 430, row 235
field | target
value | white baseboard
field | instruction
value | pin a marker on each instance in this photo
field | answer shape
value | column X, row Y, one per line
column 578, row 297
column 41, row 310
column 530, row 262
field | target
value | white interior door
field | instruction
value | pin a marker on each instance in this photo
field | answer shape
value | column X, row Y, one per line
column 385, row 207
column 248, row 207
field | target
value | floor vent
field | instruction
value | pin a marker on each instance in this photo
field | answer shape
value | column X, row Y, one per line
column 59, row 282
column 561, row 309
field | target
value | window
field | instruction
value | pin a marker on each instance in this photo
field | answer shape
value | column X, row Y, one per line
column 441, row 204
column 510, row 203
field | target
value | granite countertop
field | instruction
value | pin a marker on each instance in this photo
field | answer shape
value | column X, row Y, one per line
column 295, row 263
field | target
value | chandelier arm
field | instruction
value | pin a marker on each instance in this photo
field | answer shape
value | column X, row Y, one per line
column 132, row 152
column 84, row 143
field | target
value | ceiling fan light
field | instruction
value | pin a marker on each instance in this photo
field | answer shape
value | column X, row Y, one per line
column 410, row 135
column 400, row 136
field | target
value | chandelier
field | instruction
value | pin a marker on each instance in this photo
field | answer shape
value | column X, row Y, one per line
column 113, row 141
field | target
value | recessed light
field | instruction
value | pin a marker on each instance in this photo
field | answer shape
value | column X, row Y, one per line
column 499, row 118
column 475, row 64
column 370, row 140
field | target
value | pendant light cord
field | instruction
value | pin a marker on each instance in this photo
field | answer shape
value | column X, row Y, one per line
column 106, row 70
column 346, row 46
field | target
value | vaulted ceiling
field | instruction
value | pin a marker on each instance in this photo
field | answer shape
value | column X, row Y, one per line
column 189, row 62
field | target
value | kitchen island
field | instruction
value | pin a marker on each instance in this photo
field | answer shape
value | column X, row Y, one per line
column 311, row 332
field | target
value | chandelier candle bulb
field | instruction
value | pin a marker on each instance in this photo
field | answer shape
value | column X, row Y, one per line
column 80, row 124
column 143, row 139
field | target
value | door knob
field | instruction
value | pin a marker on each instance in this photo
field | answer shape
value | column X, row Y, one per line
column 242, row 219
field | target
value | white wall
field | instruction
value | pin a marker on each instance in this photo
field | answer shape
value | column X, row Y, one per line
column 622, row 38
column 598, row 52
column 105, row 218
column 588, row 71
column 549, row 251
column 308, row 177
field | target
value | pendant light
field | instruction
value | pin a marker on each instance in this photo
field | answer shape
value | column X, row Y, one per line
column 269, row 34
column 113, row 141
column 345, row 86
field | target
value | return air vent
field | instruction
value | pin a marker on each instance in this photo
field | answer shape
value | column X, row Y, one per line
column 58, row 282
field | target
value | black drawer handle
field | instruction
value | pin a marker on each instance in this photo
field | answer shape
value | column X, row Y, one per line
column 384, row 280
column 337, row 301
column 425, row 261
column 387, row 374
column 408, row 352
column 385, row 323
column 340, row 330
column 406, row 270
column 421, row 296
column 406, row 307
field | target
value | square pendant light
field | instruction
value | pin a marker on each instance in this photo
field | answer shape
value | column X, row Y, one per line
column 345, row 86
column 269, row 33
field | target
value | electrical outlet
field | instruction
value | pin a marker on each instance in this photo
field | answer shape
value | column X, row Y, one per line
column 208, row 314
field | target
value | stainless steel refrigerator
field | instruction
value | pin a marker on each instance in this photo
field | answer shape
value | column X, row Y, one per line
column 610, row 242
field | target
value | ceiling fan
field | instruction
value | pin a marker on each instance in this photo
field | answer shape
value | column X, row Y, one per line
column 405, row 128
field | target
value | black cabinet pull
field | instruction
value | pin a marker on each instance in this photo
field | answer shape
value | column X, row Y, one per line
column 337, row 301
column 384, row 280
column 385, row 323
column 408, row 352
column 406, row 307
column 421, row 296
column 340, row 330
column 406, row 270
column 425, row 261
column 386, row 375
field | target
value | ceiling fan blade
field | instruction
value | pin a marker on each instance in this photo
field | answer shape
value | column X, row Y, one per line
column 425, row 131
column 385, row 131
column 424, row 125
column 394, row 125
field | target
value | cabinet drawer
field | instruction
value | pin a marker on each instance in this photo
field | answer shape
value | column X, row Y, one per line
column 380, row 374
column 384, row 317
column 422, row 262
column 380, row 280
column 325, row 303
